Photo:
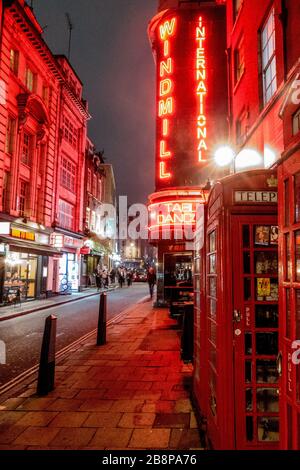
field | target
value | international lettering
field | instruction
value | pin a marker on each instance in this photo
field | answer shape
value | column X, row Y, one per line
column 201, row 90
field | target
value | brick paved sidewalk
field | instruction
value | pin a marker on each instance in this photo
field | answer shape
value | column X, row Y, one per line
column 132, row 393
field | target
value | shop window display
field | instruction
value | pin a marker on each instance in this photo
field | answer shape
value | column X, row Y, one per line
column 20, row 277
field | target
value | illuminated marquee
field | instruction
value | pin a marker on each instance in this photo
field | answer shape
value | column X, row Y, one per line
column 175, row 213
column 201, row 77
column 166, row 98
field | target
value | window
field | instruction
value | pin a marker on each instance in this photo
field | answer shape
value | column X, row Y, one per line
column 23, row 198
column 93, row 221
column 297, row 197
column 30, row 80
column 5, row 191
column 99, row 195
column 296, row 122
column 14, row 61
column 66, row 215
column 68, row 174
column 89, row 181
column 239, row 61
column 268, row 58
column 46, row 95
column 69, row 132
column 10, row 135
column 94, row 185
column 236, row 7
column 27, row 149
column 87, row 217
column 241, row 128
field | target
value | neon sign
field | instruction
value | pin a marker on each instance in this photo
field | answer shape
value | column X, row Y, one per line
column 201, row 77
column 172, row 213
column 166, row 99
column 176, row 213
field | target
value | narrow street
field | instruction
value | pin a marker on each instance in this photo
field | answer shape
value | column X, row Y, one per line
column 23, row 335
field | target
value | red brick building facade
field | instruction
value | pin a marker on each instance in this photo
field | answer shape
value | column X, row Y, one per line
column 43, row 135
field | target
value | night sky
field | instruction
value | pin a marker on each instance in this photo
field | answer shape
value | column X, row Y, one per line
column 112, row 56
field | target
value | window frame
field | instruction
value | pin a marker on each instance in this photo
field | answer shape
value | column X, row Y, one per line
column 238, row 64
column 295, row 116
column 14, row 61
column 66, row 214
column 32, row 84
column 236, row 8
column 68, row 174
column 23, row 197
column 30, row 149
column 10, row 135
column 271, row 59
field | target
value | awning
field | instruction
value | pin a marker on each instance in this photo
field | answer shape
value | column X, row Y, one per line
column 29, row 247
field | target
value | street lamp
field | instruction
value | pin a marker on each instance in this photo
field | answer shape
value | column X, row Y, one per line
column 247, row 158
column 224, row 155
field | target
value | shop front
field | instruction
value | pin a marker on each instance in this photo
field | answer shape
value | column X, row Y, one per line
column 174, row 214
column 92, row 258
column 66, row 269
column 24, row 261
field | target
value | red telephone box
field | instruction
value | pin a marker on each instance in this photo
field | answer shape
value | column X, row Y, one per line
column 289, row 257
column 240, row 385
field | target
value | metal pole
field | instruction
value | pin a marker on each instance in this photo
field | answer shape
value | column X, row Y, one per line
column 101, row 334
column 47, row 360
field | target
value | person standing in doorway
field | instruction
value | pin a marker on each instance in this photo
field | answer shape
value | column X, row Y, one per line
column 151, row 279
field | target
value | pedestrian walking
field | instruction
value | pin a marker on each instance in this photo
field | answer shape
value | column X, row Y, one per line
column 151, row 279
column 112, row 276
column 129, row 277
column 121, row 277
column 98, row 279
column 105, row 281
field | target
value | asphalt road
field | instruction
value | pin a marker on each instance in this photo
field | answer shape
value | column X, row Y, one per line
column 22, row 336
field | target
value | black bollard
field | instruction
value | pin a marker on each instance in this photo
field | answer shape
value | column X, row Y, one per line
column 47, row 360
column 101, row 334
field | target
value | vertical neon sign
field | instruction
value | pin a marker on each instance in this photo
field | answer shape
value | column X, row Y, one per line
column 166, row 99
column 201, row 78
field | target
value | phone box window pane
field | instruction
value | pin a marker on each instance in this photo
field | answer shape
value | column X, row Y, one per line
column 267, row 344
column 266, row 371
column 247, row 289
column 249, row 399
column 288, row 266
column 212, row 264
column 297, row 254
column 247, row 264
column 262, row 235
column 266, row 289
column 248, row 344
column 286, row 203
column 267, row 399
column 268, row 429
column 266, row 262
column 288, row 312
column 212, row 242
column 248, row 371
column 297, row 196
column 297, row 292
column 246, row 236
column 266, row 316
column 249, row 428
